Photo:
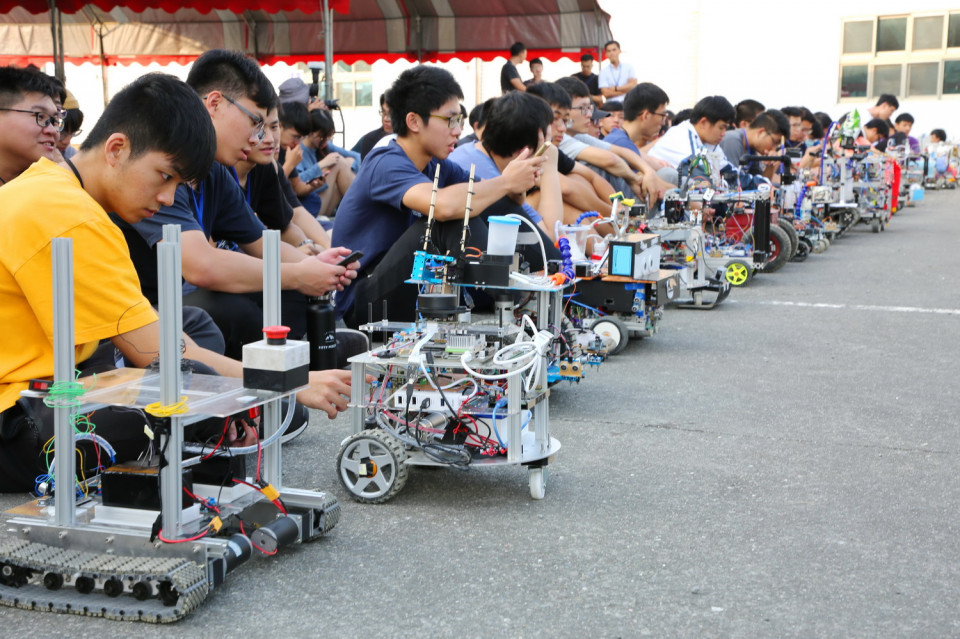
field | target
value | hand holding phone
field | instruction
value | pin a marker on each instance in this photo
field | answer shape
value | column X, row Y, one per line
column 350, row 259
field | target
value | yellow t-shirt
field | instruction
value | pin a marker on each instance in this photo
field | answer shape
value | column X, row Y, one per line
column 45, row 202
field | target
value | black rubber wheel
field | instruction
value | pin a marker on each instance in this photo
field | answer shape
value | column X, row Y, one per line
column 53, row 581
column 113, row 587
column 372, row 466
column 84, row 585
column 612, row 331
column 791, row 231
column 778, row 248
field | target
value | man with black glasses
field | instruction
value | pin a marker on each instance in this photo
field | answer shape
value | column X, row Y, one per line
column 215, row 217
column 384, row 212
column 29, row 118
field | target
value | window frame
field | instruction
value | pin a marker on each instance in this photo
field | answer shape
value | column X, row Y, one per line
column 908, row 56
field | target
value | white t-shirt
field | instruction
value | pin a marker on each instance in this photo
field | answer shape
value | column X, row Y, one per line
column 682, row 141
column 679, row 142
column 611, row 76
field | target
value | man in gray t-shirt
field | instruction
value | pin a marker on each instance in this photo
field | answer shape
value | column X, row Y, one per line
column 762, row 137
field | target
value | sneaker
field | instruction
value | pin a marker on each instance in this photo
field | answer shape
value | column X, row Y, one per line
column 298, row 424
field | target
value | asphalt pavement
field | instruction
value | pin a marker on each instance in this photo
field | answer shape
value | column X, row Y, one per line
column 781, row 466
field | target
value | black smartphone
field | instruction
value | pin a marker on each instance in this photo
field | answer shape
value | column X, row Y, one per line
column 350, row 259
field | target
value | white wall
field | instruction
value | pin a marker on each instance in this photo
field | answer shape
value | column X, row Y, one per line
column 780, row 53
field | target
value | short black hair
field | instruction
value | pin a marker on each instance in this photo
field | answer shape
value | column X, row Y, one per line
column 233, row 74
column 575, row 87
column 476, row 113
column 609, row 42
column 15, row 82
column 888, row 98
column 748, row 109
column 294, row 115
column 72, row 121
column 816, row 129
column 792, row 111
column 535, row 61
column 876, row 123
column 420, row 90
column 773, row 122
column 646, row 96
column 552, row 92
column 383, row 98
column 825, row 119
column 158, row 112
column 513, row 122
column 714, row 108
column 940, row 133
column 904, row 117
column 517, row 48
column 586, row 57
column 321, row 121
column 682, row 116
column 482, row 116
column 611, row 106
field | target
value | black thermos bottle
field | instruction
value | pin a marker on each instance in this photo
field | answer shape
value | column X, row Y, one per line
column 321, row 333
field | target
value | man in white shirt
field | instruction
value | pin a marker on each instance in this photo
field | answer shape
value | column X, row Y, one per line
column 617, row 77
column 710, row 119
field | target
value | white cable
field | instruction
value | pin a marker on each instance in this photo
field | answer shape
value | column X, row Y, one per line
column 536, row 232
column 96, row 439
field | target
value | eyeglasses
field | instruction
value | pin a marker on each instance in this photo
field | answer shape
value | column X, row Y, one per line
column 585, row 110
column 44, row 120
column 453, row 121
column 662, row 115
column 258, row 122
column 383, row 113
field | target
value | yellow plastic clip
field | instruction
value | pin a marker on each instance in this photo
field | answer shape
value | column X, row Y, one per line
column 270, row 492
column 628, row 202
column 216, row 524
column 616, row 196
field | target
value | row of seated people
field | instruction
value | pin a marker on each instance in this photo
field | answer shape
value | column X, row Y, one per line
column 245, row 165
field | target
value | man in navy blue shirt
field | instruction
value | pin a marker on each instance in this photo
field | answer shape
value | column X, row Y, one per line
column 215, row 215
column 383, row 214
column 644, row 108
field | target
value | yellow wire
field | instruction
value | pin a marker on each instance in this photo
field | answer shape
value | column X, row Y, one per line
column 158, row 410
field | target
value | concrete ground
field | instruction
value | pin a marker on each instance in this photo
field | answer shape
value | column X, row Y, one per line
column 781, row 466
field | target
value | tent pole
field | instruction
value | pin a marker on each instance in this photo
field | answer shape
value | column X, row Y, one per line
column 56, row 33
column 327, row 51
column 103, row 65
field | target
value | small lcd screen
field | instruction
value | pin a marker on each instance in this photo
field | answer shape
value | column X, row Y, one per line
column 621, row 260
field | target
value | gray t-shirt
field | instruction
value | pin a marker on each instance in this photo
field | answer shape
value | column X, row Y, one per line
column 734, row 144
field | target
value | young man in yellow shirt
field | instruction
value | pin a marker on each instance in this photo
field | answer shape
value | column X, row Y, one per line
column 153, row 135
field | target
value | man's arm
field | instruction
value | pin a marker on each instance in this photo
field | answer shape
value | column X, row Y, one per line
column 609, row 162
column 231, row 272
column 518, row 84
column 518, row 177
column 328, row 390
column 311, row 227
column 550, row 206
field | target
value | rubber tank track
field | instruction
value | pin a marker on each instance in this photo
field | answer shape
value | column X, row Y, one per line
column 329, row 513
column 172, row 587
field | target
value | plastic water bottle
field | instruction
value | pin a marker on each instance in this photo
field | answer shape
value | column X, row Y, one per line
column 321, row 333
column 806, row 209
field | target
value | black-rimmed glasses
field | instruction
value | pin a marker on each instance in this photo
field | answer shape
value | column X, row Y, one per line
column 256, row 119
column 43, row 119
column 453, row 121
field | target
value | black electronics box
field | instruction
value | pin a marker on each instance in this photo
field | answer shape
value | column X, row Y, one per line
column 134, row 485
column 489, row 270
